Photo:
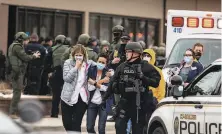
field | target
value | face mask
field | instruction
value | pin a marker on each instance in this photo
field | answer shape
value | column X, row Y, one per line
column 187, row 59
column 147, row 59
column 100, row 66
column 80, row 58
column 198, row 54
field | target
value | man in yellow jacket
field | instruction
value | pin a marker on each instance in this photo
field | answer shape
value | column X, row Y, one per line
column 159, row 92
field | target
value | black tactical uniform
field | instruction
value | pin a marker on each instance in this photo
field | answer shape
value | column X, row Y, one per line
column 131, row 80
column 35, row 68
column 47, row 67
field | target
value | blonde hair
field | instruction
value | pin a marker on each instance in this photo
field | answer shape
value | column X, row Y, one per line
column 79, row 49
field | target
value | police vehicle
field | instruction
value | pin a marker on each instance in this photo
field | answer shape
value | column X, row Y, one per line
column 196, row 111
column 186, row 28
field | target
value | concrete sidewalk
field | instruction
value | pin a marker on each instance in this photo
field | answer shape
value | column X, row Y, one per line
column 55, row 125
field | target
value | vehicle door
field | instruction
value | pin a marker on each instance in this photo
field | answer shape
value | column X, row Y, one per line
column 213, row 107
column 189, row 111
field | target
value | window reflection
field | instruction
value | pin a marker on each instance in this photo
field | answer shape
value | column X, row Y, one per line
column 105, row 28
column 140, row 31
column 151, row 35
column 33, row 23
column 60, row 25
column 46, row 25
column 117, row 21
column 130, row 25
column 94, row 26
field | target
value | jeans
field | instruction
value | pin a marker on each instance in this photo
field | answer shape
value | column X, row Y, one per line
column 72, row 115
column 93, row 110
column 129, row 125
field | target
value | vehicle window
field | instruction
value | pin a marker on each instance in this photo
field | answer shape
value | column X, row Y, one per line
column 207, row 85
column 212, row 50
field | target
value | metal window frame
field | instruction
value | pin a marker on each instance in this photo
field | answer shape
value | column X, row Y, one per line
column 137, row 19
column 54, row 12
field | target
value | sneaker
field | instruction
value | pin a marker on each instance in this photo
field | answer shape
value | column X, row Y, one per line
column 111, row 119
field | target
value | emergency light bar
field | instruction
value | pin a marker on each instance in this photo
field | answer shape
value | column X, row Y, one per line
column 207, row 23
column 177, row 21
column 192, row 22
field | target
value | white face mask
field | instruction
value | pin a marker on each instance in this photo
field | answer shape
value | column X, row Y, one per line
column 80, row 58
column 147, row 59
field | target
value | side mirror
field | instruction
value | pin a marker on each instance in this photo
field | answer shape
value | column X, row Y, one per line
column 177, row 91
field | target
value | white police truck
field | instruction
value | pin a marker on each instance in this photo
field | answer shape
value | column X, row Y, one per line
column 196, row 111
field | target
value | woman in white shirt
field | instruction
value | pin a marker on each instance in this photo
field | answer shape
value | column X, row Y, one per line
column 98, row 83
column 75, row 95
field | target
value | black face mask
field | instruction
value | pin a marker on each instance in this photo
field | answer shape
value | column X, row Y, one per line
column 198, row 54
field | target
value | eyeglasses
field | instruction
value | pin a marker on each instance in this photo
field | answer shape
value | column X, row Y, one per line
column 188, row 55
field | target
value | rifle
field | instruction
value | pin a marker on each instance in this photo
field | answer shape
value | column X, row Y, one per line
column 137, row 82
column 138, row 90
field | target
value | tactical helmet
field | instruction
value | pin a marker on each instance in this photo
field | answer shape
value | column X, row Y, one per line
column 83, row 39
column 68, row 41
column 134, row 46
column 161, row 51
column 154, row 48
column 176, row 80
column 60, row 38
column 21, row 36
column 143, row 44
column 118, row 29
column 105, row 43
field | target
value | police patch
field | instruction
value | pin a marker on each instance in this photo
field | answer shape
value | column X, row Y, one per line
column 176, row 125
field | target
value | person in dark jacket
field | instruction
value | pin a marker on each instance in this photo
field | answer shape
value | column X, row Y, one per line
column 2, row 65
column 35, row 67
column 93, row 43
column 47, row 66
column 189, row 68
column 129, row 77
column 97, row 85
column 116, row 58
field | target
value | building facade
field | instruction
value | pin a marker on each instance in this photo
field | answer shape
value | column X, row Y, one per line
column 142, row 19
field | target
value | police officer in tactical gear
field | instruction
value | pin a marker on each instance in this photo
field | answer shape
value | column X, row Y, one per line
column 56, row 79
column 68, row 41
column 105, row 47
column 131, row 80
column 117, row 31
column 35, row 67
column 18, row 61
column 116, row 58
column 84, row 39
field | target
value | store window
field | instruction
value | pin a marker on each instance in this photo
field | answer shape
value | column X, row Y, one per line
column 137, row 28
column 49, row 23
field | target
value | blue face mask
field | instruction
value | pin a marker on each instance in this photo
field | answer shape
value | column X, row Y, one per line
column 100, row 66
column 187, row 59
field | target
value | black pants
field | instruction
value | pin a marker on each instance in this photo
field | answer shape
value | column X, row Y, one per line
column 72, row 115
column 130, row 112
column 2, row 73
column 44, row 88
column 57, row 83
column 34, row 80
